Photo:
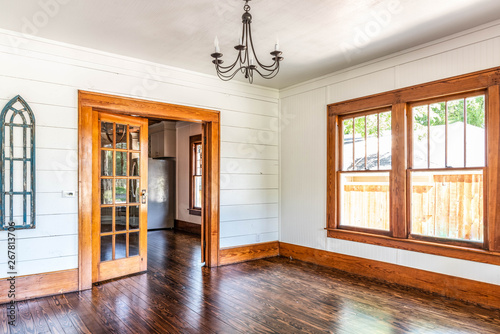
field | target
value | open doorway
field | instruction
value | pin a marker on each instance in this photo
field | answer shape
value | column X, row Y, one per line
column 116, row 112
column 175, row 173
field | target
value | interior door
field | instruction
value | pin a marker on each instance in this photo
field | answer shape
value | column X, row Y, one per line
column 119, row 228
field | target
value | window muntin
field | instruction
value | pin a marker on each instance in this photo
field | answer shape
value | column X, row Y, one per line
column 364, row 201
column 447, row 193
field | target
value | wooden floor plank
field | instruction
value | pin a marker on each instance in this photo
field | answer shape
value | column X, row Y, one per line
column 4, row 320
column 48, row 315
column 26, row 317
column 275, row 295
column 39, row 320
column 115, row 301
column 94, row 321
column 61, row 315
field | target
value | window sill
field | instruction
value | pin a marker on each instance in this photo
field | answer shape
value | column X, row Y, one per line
column 195, row 212
column 457, row 252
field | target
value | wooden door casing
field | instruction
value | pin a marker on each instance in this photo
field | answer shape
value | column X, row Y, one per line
column 88, row 104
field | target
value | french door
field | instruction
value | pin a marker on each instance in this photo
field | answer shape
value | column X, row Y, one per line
column 119, row 196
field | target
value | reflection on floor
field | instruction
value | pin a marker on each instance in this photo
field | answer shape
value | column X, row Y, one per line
column 275, row 295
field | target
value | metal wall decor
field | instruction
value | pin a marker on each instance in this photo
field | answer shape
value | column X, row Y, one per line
column 246, row 61
column 17, row 181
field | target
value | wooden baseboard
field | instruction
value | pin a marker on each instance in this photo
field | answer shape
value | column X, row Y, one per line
column 40, row 285
column 248, row 252
column 450, row 286
column 184, row 226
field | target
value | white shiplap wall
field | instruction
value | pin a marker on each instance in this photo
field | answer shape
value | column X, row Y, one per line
column 303, row 142
column 49, row 74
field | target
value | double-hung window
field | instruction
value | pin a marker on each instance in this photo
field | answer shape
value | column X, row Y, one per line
column 195, row 171
column 417, row 168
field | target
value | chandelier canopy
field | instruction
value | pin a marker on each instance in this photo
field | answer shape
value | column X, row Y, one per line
column 246, row 60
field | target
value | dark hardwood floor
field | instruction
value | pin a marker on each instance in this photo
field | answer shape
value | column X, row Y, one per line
column 274, row 295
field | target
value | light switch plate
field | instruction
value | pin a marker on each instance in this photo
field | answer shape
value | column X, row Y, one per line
column 69, row 193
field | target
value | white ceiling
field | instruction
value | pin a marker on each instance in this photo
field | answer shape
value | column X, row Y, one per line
column 311, row 32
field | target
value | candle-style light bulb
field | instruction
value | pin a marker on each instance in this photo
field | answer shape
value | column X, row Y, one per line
column 277, row 45
column 216, row 45
column 240, row 41
column 251, row 61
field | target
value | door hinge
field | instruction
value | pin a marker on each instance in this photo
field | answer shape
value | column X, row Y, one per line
column 204, row 140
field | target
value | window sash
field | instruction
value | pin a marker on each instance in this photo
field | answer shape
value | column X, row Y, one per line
column 195, row 173
column 445, row 100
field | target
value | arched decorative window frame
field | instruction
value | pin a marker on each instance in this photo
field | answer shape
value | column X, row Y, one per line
column 28, row 155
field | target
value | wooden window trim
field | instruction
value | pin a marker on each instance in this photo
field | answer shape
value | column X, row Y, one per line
column 193, row 140
column 399, row 101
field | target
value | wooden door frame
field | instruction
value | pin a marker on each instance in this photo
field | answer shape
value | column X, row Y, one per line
column 88, row 102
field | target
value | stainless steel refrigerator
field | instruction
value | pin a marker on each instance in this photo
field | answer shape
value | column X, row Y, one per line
column 161, row 199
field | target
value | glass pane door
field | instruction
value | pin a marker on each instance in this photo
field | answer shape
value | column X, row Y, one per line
column 120, row 187
column 121, row 201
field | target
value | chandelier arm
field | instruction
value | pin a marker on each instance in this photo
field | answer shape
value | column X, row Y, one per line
column 269, row 75
column 227, row 68
column 230, row 76
column 223, row 78
column 266, row 67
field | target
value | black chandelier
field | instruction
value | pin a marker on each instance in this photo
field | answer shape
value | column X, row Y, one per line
column 246, row 61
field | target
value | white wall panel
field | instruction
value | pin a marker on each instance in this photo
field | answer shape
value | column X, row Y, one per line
column 248, row 121
column 242, row 181
column 56, row 138
column 43, row 265
column 54, row 203
column 249, row 196
column 42, row 248
column 303, row 142
column 248, row 166
column 362, row 250
column 244, row 212
column 49, row 226
column 56, row 159
column 249, row 151
column 368, row 84
column 303, row 173
column 248, row 239
column 46, row 114
column 466, row 59
column 56, row 181
column 249, row 136
column 248, row 227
